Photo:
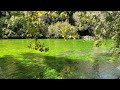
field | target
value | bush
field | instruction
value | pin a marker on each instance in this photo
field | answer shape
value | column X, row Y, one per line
column 62, row 29
column 8, row 33
column 82, row 21
column 54, row 30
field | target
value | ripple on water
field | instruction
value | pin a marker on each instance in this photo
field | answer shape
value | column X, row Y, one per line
column 106, row 69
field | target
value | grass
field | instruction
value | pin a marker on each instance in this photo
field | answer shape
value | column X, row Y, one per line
column 17, row 61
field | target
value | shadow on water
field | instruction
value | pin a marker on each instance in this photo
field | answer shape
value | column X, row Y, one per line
column 36, row 66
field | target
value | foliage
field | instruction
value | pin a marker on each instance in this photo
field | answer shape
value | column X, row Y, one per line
column 36, row 24
column 26, row 23
column 108, row 25
column 81, row 20
column 12, row 26
column 2, row 20
column 63, row 29
column 38, row 46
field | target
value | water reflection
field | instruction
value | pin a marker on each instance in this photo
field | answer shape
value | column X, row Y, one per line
column 97, row 70
column 100, row 68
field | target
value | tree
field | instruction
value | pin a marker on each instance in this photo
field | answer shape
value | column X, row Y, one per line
column 106, row 23
column 63, row 29
column 34, row 27
column 83, row 23
column 114, row 30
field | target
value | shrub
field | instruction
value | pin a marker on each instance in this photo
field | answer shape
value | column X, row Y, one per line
column 62, row 29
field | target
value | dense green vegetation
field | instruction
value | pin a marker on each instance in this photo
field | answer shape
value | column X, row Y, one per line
column 55, row 39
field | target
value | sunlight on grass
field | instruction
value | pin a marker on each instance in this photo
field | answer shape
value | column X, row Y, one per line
column 18, row 61
column 56, row 46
